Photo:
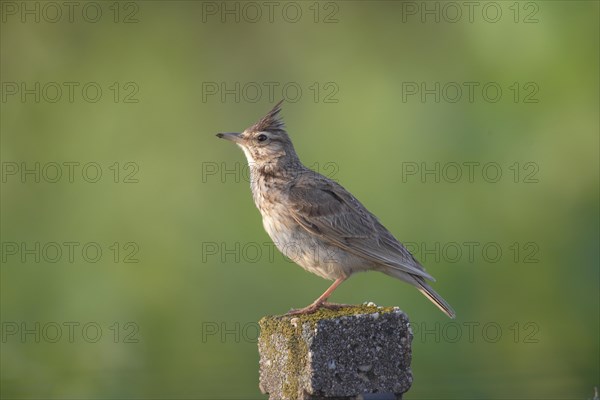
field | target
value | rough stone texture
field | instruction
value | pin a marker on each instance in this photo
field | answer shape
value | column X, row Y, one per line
column 357, row 352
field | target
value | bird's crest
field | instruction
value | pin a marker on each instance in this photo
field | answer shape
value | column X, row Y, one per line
column 270, row 122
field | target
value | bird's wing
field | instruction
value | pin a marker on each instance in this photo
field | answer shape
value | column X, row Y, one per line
column 327, row 210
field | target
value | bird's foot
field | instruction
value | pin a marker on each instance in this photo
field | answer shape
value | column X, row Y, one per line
column 315, row 306
column 306, row 310
column 334, row 306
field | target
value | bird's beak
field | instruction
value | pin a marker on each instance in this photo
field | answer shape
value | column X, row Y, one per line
column 234, row 137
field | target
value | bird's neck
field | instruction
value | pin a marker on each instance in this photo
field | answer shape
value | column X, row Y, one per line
column 269, row 179
column 280, row 168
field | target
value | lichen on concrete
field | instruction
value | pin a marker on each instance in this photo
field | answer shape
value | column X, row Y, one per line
column 335, row 354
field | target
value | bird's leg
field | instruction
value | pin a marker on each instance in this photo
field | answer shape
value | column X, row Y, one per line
column 321, row 300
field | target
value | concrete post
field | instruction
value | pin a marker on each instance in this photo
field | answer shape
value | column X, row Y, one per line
column 357, row 352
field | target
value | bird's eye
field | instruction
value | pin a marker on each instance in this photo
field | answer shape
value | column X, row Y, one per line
column 261, row 137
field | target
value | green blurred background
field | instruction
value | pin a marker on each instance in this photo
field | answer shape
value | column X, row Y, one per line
column 181, row 322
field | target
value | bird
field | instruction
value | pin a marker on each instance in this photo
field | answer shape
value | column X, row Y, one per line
column 317, row 223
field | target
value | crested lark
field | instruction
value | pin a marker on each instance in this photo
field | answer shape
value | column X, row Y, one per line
column 329, row 232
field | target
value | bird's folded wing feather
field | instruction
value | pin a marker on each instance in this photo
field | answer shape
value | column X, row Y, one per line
column 326, row 209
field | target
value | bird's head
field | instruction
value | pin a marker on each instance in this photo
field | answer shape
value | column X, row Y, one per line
column 265, row 142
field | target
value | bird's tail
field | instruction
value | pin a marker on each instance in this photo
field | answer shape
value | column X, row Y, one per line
column 434, row 297
column 419, row 283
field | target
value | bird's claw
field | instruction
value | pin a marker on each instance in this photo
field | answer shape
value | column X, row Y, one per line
column 314, row 307
column 334, row 306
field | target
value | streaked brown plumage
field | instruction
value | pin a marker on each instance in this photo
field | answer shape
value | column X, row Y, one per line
column 315, row 221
